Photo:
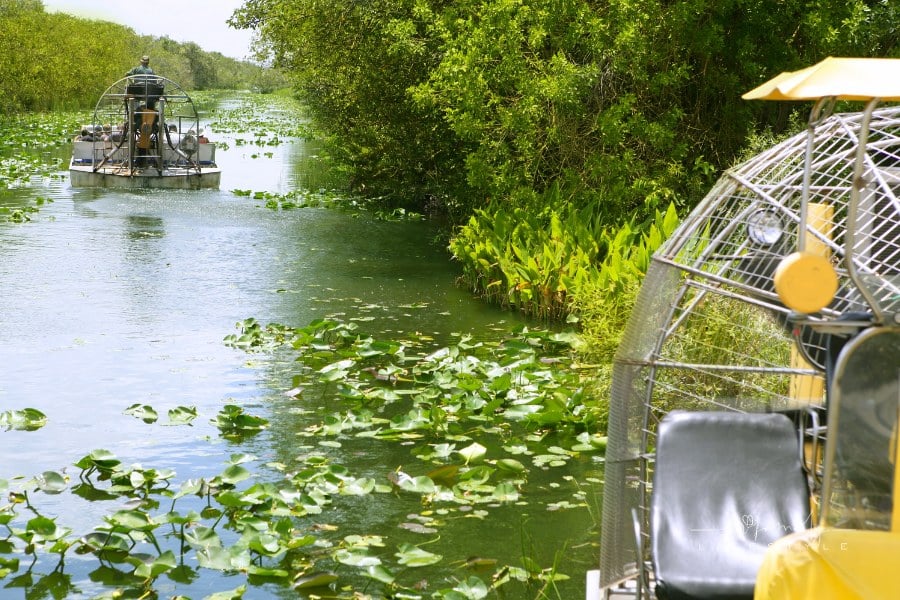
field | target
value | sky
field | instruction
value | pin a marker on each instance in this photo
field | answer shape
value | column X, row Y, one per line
column 198, row 21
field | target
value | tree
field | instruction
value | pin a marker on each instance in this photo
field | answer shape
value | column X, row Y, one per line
column 353, row 64
column 621, row 104
column 42, row 64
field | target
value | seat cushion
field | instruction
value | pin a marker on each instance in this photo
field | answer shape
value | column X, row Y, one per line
column 725, row 486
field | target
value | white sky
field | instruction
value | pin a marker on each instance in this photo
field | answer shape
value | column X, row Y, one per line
column 198, row 21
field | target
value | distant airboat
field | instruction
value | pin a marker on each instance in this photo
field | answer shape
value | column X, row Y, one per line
column 145, row 134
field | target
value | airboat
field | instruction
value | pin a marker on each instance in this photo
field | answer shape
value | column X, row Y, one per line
column 145, row 134
column 753, row 421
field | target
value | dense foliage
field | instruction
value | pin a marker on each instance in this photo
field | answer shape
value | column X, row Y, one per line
column 623, row 104
column 572, row 111
column 54, row 60
column 353, row 63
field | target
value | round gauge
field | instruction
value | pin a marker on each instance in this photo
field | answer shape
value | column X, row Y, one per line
column 765, row 228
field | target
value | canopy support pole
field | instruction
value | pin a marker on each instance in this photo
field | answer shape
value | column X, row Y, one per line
column 820, row 111
column 856, row 188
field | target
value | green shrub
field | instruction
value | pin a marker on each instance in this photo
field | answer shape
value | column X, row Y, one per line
column 550, row 265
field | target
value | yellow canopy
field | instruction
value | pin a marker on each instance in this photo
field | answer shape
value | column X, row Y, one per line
column 841, row 78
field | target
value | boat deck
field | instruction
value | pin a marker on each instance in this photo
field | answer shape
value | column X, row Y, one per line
column 627, row 590
column 113, row 168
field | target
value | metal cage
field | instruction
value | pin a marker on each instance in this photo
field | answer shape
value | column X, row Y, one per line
column 709, row 332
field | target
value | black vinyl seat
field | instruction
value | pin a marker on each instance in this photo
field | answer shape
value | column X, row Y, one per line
column 725, row 486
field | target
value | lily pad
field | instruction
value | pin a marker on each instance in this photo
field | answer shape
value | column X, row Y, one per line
column 413, row 556
column 314, row 580
column 144, row 412
column 472, row 453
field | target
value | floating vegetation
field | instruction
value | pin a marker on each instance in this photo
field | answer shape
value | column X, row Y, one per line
column 26, row 419
column 478, row 420
column 21, row 170
column 296, row 199
column 29, row 144
column 328, row 199
column 523, row 379
column 399, row 214
column 39, row 130
column 21, row 214
column 259, row 120
column 180, row 415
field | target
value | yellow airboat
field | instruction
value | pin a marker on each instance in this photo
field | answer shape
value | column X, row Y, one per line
column 756, row 392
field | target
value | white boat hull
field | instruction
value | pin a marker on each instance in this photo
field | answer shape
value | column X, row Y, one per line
column 122, row 177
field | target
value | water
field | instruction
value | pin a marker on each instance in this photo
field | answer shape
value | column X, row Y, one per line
column 113, row 298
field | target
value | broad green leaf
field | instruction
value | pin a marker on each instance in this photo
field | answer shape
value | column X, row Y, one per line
column 189, row 487
column 7, row 566
column 145, row 412
column 103, row 460
column 137, row 479
column 418, row 485
column 379, row 573
column 315, row 580
column 270, row 572
column 239, row 459
column 472, row 453
column 472, row 588
column 235, row 594
column 216, row 558
column 98, row 541
column 41, row 526
column 356, row 558
column 265, row 544
column 235, row 474
column 161, row 564
column 413, row 556
column 202, row 537
column 51, row 482
column 26, row 419
column 131, row 519
column 510, row 465
column 182, row 415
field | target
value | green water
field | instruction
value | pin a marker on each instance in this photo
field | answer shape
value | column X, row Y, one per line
column 112, row 298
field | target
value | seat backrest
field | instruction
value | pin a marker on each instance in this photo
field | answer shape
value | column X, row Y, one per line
column 725, row 486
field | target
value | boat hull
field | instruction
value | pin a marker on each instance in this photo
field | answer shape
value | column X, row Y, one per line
column 190, row 179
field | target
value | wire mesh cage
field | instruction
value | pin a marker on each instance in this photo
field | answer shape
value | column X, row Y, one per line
column 171, row 140
column 709, row 332
column 147, row 90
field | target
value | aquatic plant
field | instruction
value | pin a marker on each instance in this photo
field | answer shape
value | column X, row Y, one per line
column 479, row 420
column 269, row 120
column 538, row 263
column 26, row 419
column 296, row 198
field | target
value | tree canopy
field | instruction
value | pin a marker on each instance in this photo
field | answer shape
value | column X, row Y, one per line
column 626, row 103
column 55, row 60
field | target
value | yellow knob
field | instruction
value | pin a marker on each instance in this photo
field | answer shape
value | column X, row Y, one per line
column 805, row 282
